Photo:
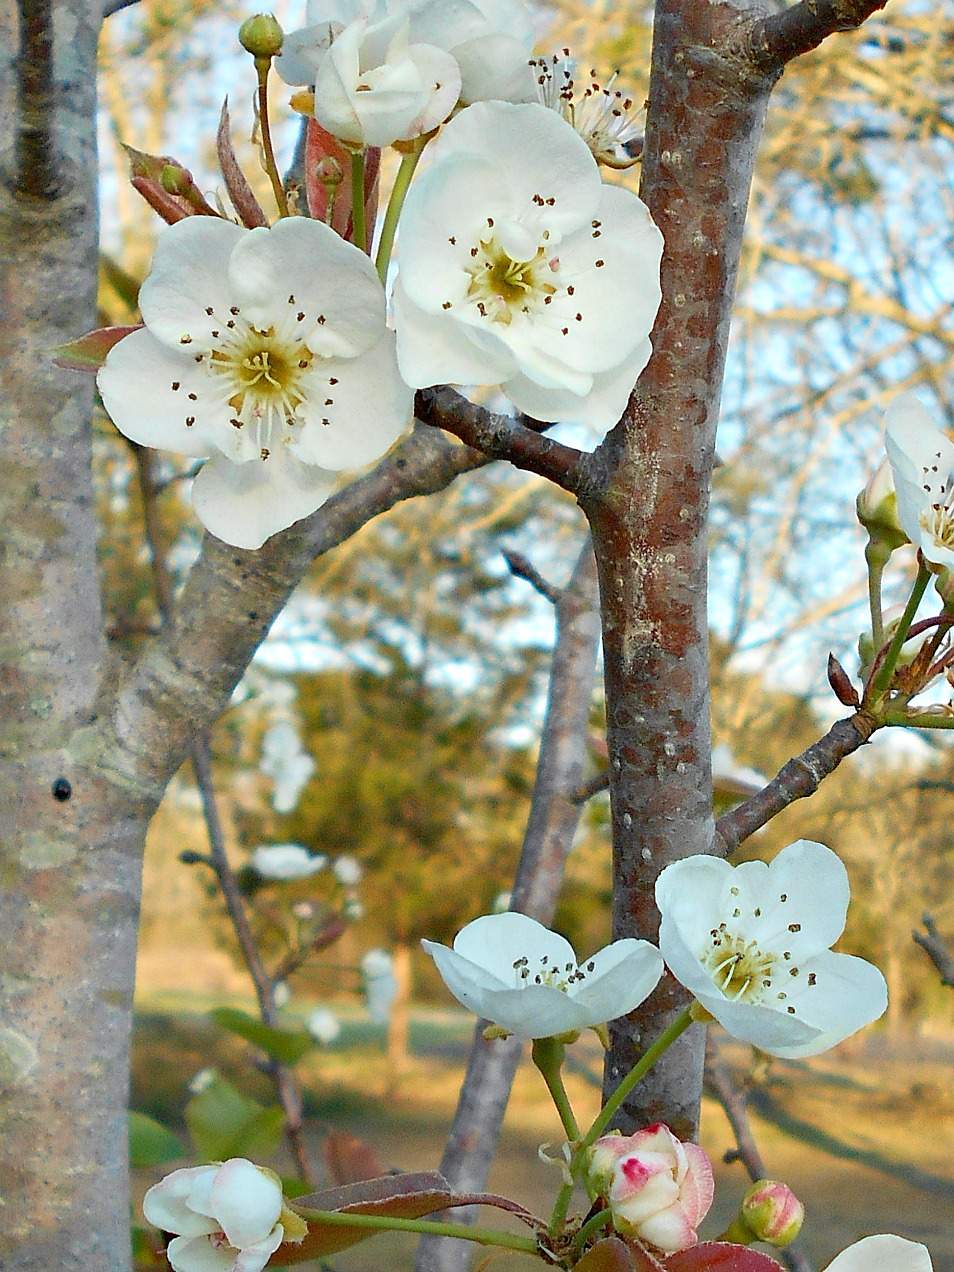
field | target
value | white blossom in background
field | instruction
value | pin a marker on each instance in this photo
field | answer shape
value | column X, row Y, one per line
column 514, row 972
column 502, row 902
column 202, row 1080
column 267, row 351
column 286, row 861
column 751, row 942
column 883, row 1253
column 281, row 994
column 374, row 87
column 518, row 267
column 324, row 1026
column 490, row 41
column 353, row 909
column 347, row 870
column 922, row 463
column 225, row 1217
column 287, row 763
column 732, row 780
column 380, row 984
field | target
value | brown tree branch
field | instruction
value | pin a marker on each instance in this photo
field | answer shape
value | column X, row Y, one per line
column 719, row 1083
column 773, row 41
column 38, row 162
column 934, row 945
column 797, row 779
column 472, row 1140
column 502, row 437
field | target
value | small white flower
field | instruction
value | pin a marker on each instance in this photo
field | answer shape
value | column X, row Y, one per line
column 281, row 994
column 324, row 1026
column 751, row 942
column 922, row 462
column 286, row 861
column 491, row 41
column 374, row 87
column 202, row 1080
column 518, row 267
column 287, row 763
column 380, row 984
column 267, row 350
column 511, row 970
column 603, row 116
column 347, row 870
column 226, row 1217
column 883, row 1253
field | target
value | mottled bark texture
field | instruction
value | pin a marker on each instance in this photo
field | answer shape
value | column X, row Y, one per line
column 472, row 1141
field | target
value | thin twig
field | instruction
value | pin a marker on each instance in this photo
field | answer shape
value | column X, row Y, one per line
column 523, row 568
column 472, row 1140
column 502, row 437
column 287, row 1086
column 933, row 944
column 592, row 786
column 798, row 779
column 732, row 1099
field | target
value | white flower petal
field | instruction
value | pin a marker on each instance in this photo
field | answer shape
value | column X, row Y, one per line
column 198, row 1254
column 496, row 941
column 885, row 1253
column 433, row 351
column 361, row 416
column 922, row 462
column 338, row 305
column 253, row 1258
column 245, row 504
column 166, row 1203
column 246, row 1201
column 188, row 279
column 146, row 388
column 848, row 994
column 602, row 406
column 618, row 978
column 494, row 68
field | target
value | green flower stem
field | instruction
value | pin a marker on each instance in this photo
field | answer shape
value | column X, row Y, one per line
column 636, row 1074
column 918, row 719
column 592, row 1225
column 271, row 167
column 402, row 183
column 547, row 1054
column 358, row 222
column 882, row 678
column 480, row 1236
column 877, row 557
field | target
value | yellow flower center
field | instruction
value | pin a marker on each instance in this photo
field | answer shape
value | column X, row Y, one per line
column 502, row 286
column 739, row 968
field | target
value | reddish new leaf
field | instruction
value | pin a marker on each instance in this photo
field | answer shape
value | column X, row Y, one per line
column 240, row 192
column 720, row 1256
column 611, row 1255
column 408, row 1196
column 152, row 176
column 88, row 353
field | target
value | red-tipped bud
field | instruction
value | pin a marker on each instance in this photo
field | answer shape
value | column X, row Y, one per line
column 772, row 1212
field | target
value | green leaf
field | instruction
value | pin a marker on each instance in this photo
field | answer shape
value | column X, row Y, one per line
column 225, row 1123
column 88, row 353
column 285, row 1045
column 150, row 1144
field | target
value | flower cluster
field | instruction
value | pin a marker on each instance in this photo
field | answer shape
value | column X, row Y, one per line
column 750, row 942
column 265, row 350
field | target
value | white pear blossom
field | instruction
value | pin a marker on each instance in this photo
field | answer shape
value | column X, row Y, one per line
column 883, row 1253
column 226, row 1217
column 603, row 115
column 922, row 463
column 374, row 87
column 518, row 267
column 347, row 870
column 287, row 763
column 380, row 984
column 491, row 41
column 511, row 970
column 324, row 1026
column 266, row 350
column 751, row 942
column 286, row 861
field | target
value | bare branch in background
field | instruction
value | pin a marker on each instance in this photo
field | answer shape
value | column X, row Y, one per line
column 936, row 948
column 472, row 1141
column 720, row 1085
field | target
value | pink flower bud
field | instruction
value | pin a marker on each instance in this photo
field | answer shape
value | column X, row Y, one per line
column 658, row 1188
column 772, row 1212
